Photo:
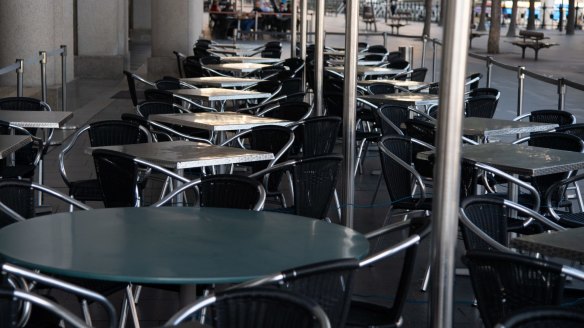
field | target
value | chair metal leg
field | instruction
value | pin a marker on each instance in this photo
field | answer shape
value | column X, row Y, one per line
column 579, row 195
column 426, row 280
column 359, row 154
column 338, row 204
column 86, row 313
column 376, row 189
column 132, row 304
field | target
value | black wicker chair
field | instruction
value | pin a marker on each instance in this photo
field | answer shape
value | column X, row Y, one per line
column 118, row 176
column 380, row 88
column 418, row 74
column 472, row 81
column 131, row 78
column 405, row 185
column 295, row 66
column 505, row 283
column 484, row 92
column 559, row 117
column 315, row 136
column 329, row 283
column 26, row 156
column 224, row 190
column 257, row 307
column 481, row 106
column 485, row 222
column 101, row 133
column 543, row 317
column 293, row 111
column 313, row 183
column 363, row 311
column 25, row 161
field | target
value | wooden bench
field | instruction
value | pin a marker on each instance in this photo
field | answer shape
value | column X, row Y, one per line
column 395, row 23
column 533, row 40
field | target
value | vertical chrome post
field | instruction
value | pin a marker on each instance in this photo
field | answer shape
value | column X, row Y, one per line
column 319, row 57
column 520, row 88
column 349, row 110
column 293, row 28
column 434, row 41
column 384, row 39
column 489, row 70
column 447, row 167
column 561, row 94
column 303, row 39
column 43, row 62
column 424, row 42
column 64, row 78
column 19, row 78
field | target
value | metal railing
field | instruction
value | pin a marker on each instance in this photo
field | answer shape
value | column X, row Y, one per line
column 20, row 64
column 561, row 83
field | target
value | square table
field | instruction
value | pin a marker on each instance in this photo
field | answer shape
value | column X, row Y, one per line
column 360, row 62
column 217, row 122
column 250, row 59
column 234, row 51
column 238, row 68
column 524, row 160
column 221, row 81
column 487, row 127
column 180, row 154
column 220, row 94
column 364, row 71
column 36, row 119
column 11, row 143
column 403, row 99
column 565, row 244
column 409, row 85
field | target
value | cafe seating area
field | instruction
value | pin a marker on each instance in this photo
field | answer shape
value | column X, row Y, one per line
column 212, row 197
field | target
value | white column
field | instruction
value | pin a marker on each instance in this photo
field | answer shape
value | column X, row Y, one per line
column 102, row 38
column 30, row 26
column 142, row 21
column 176, row 26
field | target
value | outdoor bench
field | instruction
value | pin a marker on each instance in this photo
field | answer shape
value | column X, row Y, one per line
column 533, row 40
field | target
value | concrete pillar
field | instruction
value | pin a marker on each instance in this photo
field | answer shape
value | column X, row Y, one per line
column 30, row 26
column 141, row 29
column 176, row 26
column 102, row 38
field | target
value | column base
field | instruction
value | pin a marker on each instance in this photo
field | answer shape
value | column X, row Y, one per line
column 99, row 67
column 161, row 66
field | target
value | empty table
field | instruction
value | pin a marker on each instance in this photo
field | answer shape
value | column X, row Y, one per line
column 409, row 85
column 11, row 143
column 524, row 160
column 172, row 245
column 180, row 154
column 221, row 81
column 36, row 119
column 404, row 99
column 250, row 59
column 365, row 71
column 217, row 122
column 565, row 244
column 220, row 94
column 238, row 68
column 487, row 127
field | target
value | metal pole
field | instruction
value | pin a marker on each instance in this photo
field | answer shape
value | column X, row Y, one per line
column 562, row 94
column 303, row 40
column 19, row 78
column 520, row 88
column 294, row 30
column 434, row 59
column 319, row 57
column 447, row 169
column 43, row 61
column 424, row 42
column 64, row 77
column 349, row 114
column 489, row 71
column 384, row 39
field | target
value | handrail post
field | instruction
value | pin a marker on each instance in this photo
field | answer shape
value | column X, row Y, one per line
column 43, row 62
column 424, row 42
column 64, row 78
column 562, row 94
column 520, row 88
column 489, row 70
column 434, row 59
column 19, row 78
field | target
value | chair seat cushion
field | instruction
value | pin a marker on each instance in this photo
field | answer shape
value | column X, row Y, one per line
column 86, row 190
column 367, row 314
